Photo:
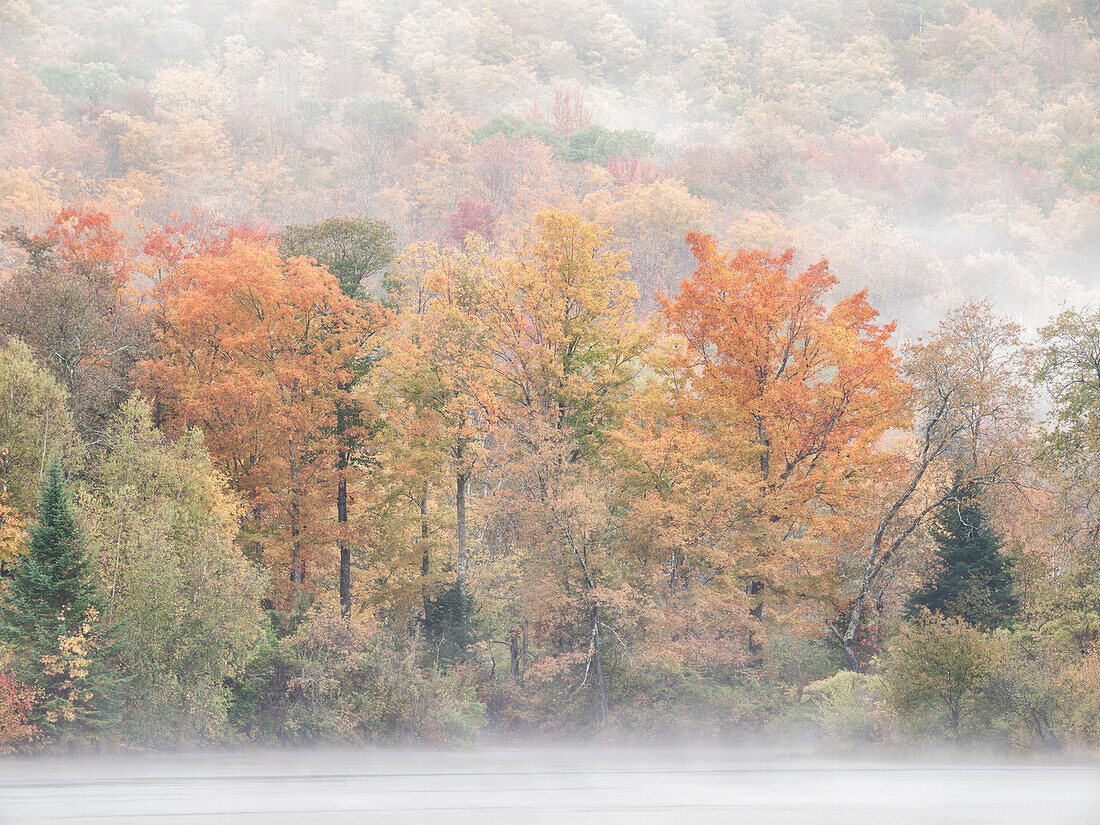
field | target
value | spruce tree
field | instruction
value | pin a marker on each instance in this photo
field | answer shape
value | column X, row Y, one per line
column 973, row 581
column 49, row 616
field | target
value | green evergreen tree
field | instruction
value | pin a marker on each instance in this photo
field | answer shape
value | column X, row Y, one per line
column 974, row 579
column 50, row 617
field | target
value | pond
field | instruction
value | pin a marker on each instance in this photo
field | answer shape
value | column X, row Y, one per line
column 532, row 786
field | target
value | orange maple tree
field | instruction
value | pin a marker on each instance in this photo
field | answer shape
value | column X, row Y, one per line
column 255, row 351
column 810, row 389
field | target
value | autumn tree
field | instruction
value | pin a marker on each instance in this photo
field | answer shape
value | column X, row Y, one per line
column 563, row 345
column 684, row 504
column 650, row 220
column 942, row 667
column 439, row 375
column 471, row 215
column 358, row 251
column 71, row 301
column 35, row 423
column 16, row 706
column 254, row 351
column 1069, row 372
column 810, row 389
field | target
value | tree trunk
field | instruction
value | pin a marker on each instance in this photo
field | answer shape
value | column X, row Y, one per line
column 765, row 451
column 297, row 567
column 343, row 459
column 425, row 559
column 598, row 666
column 514, row 650
column 848, row 640
column 297, row 564
column 523, row 667
column 756, row 586
column 345, row 548
column 462, row 481
column 757, row 612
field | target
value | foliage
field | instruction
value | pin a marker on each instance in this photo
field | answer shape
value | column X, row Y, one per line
column 808, row 392
column 663, row 707
column 598, row 145
column 514, row 127
column 13, row 529
column 70, row 301
column 387, row 117
column 278, row 342
column 971, row 411
column 448, row 610
column 648, row 524
column 162, row 526
column 848, row 707
column 35, row 423
column 563, row 346
column 471, row 216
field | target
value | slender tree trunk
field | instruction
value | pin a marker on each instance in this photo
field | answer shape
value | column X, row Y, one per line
column 601, row 686
column 855, row 620
column 879, row 550
column 523, row 666
column 757, row 612
column 462, row 482
column 513, row 647
column 425, row 559
column 345, row 548
column 343, row 459
column 765, row 452
column 756, row 587
column 297, row 565
column 425, row 562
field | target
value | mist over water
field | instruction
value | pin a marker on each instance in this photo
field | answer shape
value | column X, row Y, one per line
column 545, row 786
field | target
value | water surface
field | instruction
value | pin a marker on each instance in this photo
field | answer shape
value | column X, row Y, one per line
column 535, row 786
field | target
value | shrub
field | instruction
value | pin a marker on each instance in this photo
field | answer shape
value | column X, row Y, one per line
column 939, row 673
column 335, row 681
column 16, row 706
column 847, row 706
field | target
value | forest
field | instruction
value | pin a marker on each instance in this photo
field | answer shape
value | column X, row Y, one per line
column 452, row 371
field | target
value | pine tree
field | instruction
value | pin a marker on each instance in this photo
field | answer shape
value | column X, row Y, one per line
column 49, row 615
column 974, row 579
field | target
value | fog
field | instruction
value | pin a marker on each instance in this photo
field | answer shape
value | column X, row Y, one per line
column 545, row 787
